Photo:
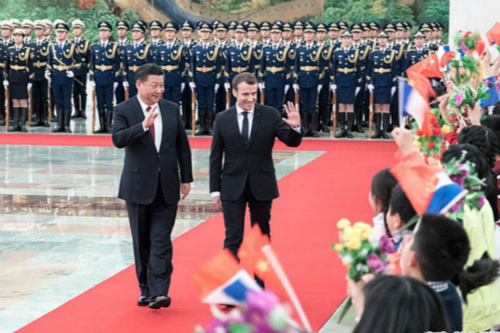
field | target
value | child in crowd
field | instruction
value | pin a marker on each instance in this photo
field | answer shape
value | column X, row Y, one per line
column 380, row 193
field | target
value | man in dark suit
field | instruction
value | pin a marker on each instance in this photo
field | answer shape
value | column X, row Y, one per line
column 244, row 137
column 156, row 153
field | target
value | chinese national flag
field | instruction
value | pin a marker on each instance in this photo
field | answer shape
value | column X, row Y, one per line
column 251, row 252
column 432, row 66
column 493, row 34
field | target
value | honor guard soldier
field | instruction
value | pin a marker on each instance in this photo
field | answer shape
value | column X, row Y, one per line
column 374, row 30
column 187, row 29
column 298, row 31
column 265, row 32
column 309, row 74
column 49, row 26
column 275, row 74
column 252, row 31
column 407, row 32
column 60, row 70
column 155, row 29
column 324, row 94
column 345, row 82
column 18, row 78
column 82, row 59
column 136, row 54
column 381, row 76
column 427, row 31
column 343, row 27
column 220, row 40
column 40, row 86
column 239, row 59
column 4, row 45
column 206, row 69
column 287, row 40
column 28, row 26
column 122, row 28
column 171, row 57
column 104, row 75
column 333, row 34
column 231, row 26
column 16, row 24
column 365, row 33
column 287, row 34
column 362, row 98
column 417, row 51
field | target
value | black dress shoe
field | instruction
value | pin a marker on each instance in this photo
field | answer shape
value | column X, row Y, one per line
column 159, row 302
column 143, row 301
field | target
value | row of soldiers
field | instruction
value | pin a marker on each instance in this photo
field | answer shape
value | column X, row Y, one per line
column 301, row 61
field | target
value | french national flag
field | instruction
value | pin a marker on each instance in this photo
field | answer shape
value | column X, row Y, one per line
column 416, row 93
column 222, row 281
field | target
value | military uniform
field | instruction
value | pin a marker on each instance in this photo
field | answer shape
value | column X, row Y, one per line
column 361, row 104
column 206, row 69
column 155, row 43
column 19, row 73
column 415, row 55
column 40, row 85
column 82, row 59
column 186, row 93
column 135, row 55
column 220, row 96
column 382, row 74
column 309, row 74
column 324, row 99
column 120, row 90
column 4, row 45
column 171, row 57
column 276, row 71
column 105, row 72
column 62, row 58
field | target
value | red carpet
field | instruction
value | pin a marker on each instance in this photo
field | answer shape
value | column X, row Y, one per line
column 313, row 199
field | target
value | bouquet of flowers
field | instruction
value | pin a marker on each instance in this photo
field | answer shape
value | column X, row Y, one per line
column 361, row 251
column 431, row 145
column 464, row 97
column 464, row 174
column 261, row 313
column 468, row 42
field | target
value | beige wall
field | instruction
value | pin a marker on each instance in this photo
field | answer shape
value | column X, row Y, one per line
column 473, row 15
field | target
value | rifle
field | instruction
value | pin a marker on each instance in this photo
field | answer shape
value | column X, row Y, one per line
column 30, row 110
column 193, row 112
column 262, row 99
column 7, row 109
column 228, row 100
column 371, row 117
column 296, row 100
column 126, row 93
column 93, row 111
column 334, row 114
column 48, row 102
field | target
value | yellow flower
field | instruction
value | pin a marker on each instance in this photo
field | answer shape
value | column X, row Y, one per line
column 365, row 235
column 338, row 247
column 343, row 223
column 354, row 243
column 417, row 143
column 362, row 226
column 445, row 129
column 350, row 233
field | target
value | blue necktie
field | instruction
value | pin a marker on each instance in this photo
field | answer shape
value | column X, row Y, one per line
column 244, row 129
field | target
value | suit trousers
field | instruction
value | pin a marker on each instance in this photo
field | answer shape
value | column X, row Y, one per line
column 234, row 218
column 151, row 227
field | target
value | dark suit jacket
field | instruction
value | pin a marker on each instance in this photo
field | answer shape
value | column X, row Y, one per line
column 252, row 163
column 143, row 164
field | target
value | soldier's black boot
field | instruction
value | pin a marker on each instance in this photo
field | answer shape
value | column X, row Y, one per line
column 324, row 121
column 76, row 102
column 84, row 107
column 306, row 125
column 342, row 123
column 37, row 108
column 67, row 119
column 378, row 132
column 109, row 120
column 201, row 131
column 102, row 123
column 15, row 120
column 314, row 125
column 350, row 122
column 45, row 113
column 385, row 126
column 208, row 127
column 359, row 125
column 23, row 115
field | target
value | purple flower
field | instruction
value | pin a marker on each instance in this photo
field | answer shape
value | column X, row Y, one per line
column 259, row 306
column 459, row 99
column 374, row 262
column 463, row 48
column 386, row 245
column 480, row 201
column 459, row 179
column 456, row 207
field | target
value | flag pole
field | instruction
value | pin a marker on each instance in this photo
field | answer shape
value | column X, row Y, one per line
column 268, row 252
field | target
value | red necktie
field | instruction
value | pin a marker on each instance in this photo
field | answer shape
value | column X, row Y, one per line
column 152, row 127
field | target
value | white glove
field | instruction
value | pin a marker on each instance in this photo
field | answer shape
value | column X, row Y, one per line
column 115, row 85
column 371, row 87
column 70, row 74
column 296, row 87
column 227, row 86
column 287, row 87
column 333, row 87
column 357, row 91
column 393, row 90
column 30, row 85
column 183, row 85
column 5, row 84
column 192, row 85
column 125, row 84
column 320, row 87
column 216, row 87
column 47, row 74
column 262, row 86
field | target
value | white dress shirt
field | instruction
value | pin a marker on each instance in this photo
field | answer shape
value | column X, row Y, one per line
column 158, row 122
